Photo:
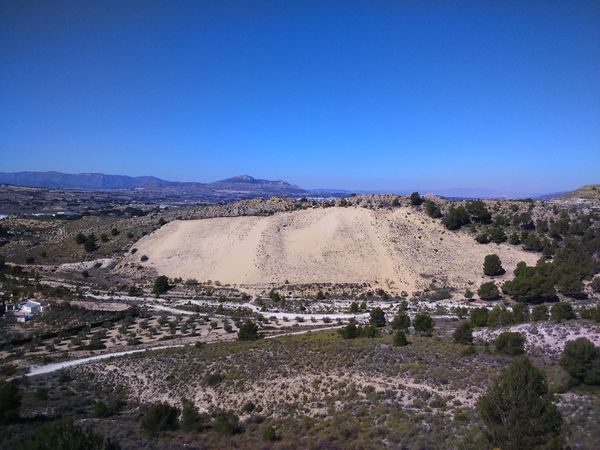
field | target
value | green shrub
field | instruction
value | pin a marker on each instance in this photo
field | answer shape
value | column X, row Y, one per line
column 539, row 313
column 248, row 331
column 581, row 360
column 268, row 433
column 492, row 266
column 510, row 343
column 65, row 435
column 401, row 321
column 488, row 291
column 377, row 317
column 561, row 311
column 399, row 339
column 227, row 424
column 159, row 417
column 424, row 324
column 479, row 317
column 463, row 334
column 10, row 401
column 519, row 412
column 191, row 419
column 161, row 285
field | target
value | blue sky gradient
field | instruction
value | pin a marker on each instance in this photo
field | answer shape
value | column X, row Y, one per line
column 396, row 95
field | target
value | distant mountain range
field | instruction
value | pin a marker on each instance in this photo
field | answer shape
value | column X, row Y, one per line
column 243, row 185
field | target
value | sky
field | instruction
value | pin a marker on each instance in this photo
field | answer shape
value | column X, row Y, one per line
column 372, row 95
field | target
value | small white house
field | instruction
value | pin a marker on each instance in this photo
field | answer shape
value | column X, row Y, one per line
column 31, row 307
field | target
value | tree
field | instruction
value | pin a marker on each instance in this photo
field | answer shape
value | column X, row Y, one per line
column 539, row 312
column 424, row 324
column 161, row 285
column 488, row 291
column 479, row 317
column 479, row 211
column 65, row 435
column 191, row 419
column 492, row 266
column 91, row 243
column 416, row 199
column 562, row 311
column 520, row 313
column 377, row 317
column 432, row 209
column 80, row 238
column 400, row 339
column 10, row 401
column 354, row 308
column 350, row 331
column 531, row 284
column 456, row 218
column 468, row 294
column 581, row 360
column 510, row 343
column 463, row 334
column 401, row 321
column 159, row 417
column 497, row 235
column 227, row 423
column 571, row 285
column 248, row 331
column 268, row 433
column 518, row 410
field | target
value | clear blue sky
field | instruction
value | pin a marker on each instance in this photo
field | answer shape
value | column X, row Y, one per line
column 361, row 95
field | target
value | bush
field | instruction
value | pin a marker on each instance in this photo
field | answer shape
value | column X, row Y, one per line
column 100, row 410
column 432, row 209
column 248, row 331
column 350, row 331
column 518, row 411
column 401, row 321
column 161, row 285
column 400, row 339
column 424, row 324
column 539, row 312
column 456, row 218
column 463, row 334
column 416, row 199
column 562, row 311
column 488, row 291
column 65, row 435
column 90, row 244
column 531, row 284
column 144, row 258
column 520, row 313
column 377, row 317
column 268, row 433
column 159, row 417
column 581, row 360
column 10, row 401
column 227, row 424
column 510, row 343
column 479, row 317
column 492, row 266
column 191, row 420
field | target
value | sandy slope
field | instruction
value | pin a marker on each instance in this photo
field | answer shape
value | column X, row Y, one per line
column 399, row 250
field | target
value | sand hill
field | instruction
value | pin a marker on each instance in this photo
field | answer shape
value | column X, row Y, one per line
column 399, row 249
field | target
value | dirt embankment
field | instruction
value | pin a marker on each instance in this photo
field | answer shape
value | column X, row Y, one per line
column 399, row 249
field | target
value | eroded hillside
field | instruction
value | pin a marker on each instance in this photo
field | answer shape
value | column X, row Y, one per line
column 399, row 250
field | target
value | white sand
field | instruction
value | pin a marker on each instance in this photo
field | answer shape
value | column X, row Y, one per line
column 398, row 250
